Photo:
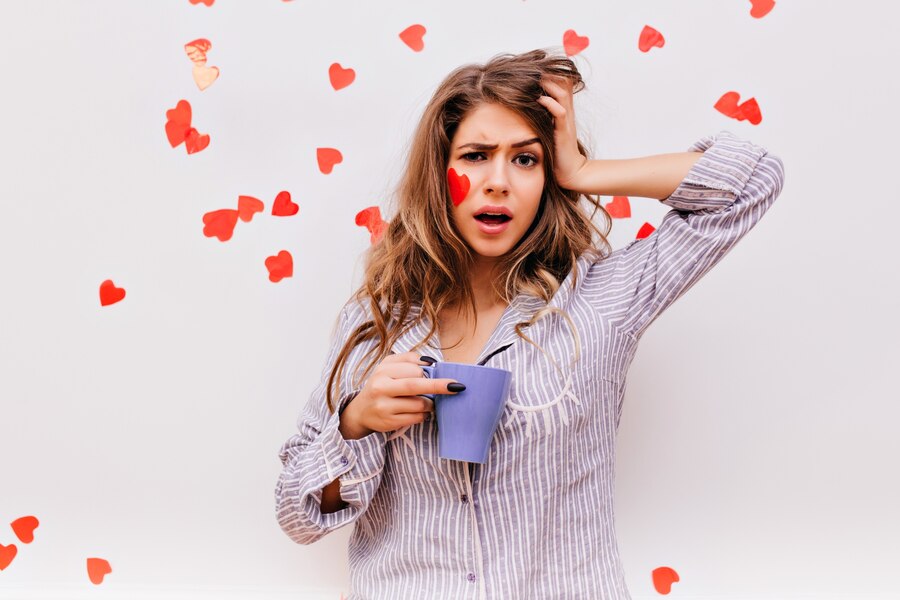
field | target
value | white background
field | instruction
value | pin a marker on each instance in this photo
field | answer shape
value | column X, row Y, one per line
column 757, row 450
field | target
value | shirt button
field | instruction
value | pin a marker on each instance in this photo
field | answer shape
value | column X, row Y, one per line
column 345, row 461
column 471, row 576
column 464, row 498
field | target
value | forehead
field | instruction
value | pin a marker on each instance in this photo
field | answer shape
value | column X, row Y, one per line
column 492, row 123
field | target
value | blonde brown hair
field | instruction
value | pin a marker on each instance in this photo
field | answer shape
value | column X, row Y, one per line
column 421, row 258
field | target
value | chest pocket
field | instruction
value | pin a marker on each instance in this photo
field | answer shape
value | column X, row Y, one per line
column 544, row 391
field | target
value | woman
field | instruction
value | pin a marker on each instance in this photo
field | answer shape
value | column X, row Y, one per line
column 448, row 282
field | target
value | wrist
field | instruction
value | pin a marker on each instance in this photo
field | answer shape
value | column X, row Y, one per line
column 349, row 427
column 575, row 181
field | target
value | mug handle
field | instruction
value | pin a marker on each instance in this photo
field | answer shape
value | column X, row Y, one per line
column 429, row 372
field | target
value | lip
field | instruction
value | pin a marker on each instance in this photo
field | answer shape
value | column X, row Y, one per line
column 493, row 209
column 492, row 229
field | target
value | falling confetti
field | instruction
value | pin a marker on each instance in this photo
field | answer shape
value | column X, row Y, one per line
column 761, row 8
column 284, row 206
column 97, row 569
column 203, row 76
column 249, row 206
column 280, row 266
column 340, row 77
column 619, row 208
column 663, row 577
column 109, row 293
column 24, row 527
column 650, row 38
column 220, row 223
column 327, row 158
column 574, row 43
column 179, row 129
column 645, row 231
column 412, row 37
column 749, row 110
column 370, row 218
column 7, row 554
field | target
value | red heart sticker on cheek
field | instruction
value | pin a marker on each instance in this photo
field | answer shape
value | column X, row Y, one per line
column 459, row 186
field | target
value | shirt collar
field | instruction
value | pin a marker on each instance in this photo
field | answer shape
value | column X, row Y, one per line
column 519, row 310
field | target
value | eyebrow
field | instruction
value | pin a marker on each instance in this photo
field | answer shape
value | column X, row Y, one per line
column 477, row 146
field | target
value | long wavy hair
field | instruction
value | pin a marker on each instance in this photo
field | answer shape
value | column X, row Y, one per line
column 421, row 259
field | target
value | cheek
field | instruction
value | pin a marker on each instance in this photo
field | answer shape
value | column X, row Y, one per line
column 459, row 184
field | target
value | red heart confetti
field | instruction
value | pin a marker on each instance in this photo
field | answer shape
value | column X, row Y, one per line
column 574, row 43
column 194, row 142
column 178, row 128
column 650, row 38
column 283, row 206
column 280, row 266
column 206, row 2
column 761, row 8
column 663, row 577
column 249, row 206
column 459, row 186
column 619, row 208
column 24, row 527
column 327, row 158
column 97, row 569
column 340, row 77
column 178, row 122
column 7, row 554
column 220, row 223
column 197, row 50
column 412, row 37
column 203, row 76
column 109, row 293
column 645, row 230
column 749, row 110
column 370, row 218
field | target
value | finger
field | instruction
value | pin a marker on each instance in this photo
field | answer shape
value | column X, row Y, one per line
column 413, row 386
column 407, row 419
column 560, row 88
column 403, row 370
column 556, row 109
column 411, row 404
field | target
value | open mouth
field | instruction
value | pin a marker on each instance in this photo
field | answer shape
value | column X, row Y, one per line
column 492, row 219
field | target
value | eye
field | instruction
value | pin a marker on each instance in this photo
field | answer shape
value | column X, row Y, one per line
column 469, row 156
column 530, row 157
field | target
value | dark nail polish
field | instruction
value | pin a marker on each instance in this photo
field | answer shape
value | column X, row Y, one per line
column 428, row 359
column 455, row 387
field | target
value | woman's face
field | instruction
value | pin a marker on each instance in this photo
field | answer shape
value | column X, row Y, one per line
column 502, row 158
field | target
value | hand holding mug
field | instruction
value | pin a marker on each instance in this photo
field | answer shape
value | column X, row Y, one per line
column 391, row 398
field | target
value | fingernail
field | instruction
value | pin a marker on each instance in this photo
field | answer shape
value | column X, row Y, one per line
column 428, row 359
column 455, row 387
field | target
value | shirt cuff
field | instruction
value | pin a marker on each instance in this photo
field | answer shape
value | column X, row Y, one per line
column 719, row 176
column 350, row 461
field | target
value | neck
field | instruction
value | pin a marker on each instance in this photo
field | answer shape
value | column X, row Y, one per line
column 482, row 277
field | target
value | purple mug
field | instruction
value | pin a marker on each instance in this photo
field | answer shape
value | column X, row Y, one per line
column 467, row 420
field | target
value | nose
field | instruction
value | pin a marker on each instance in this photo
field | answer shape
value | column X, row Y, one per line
column 497, row 180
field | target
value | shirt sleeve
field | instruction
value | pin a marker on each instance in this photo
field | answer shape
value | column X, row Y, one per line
column 318, row 454
column 721, row 198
